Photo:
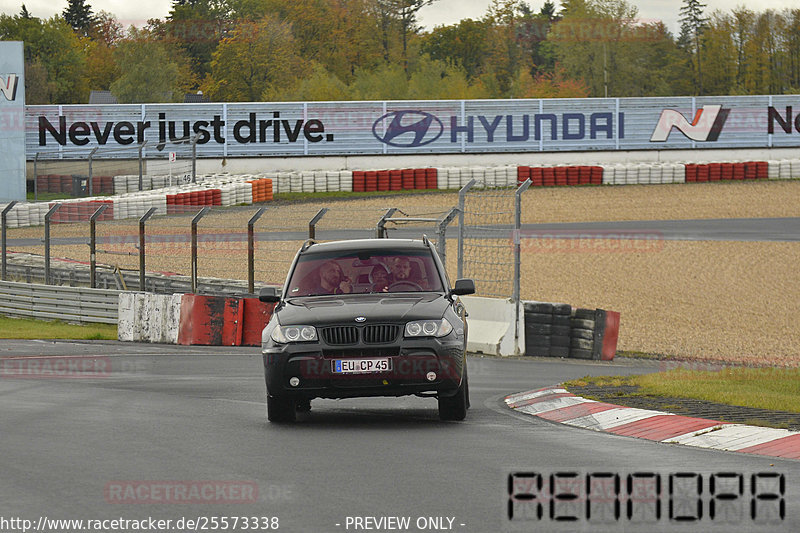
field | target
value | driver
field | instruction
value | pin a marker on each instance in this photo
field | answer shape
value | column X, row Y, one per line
column 332, row 280
column 401, row 271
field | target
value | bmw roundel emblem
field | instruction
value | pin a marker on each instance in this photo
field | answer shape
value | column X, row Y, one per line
column 361, row 319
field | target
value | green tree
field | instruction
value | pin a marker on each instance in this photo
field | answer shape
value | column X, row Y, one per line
column 196, row 26
column 258, row 60
column 386, row 82
column 693, row 24
column 148, row 74
column 78, row 14
column 24, row 13
column 321, row 85
column 436, row 80
column 462, row 45
column 55, row 56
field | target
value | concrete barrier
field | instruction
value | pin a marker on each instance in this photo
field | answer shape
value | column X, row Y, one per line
column 146, row 317
column 496, row 327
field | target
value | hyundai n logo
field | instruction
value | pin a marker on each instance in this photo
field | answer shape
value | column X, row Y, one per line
column 407, row 129
column 8, row 86
column 706, row 126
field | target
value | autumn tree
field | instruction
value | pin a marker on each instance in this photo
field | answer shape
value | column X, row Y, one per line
column 55, row 63
column 462, row 45
column 255, row 62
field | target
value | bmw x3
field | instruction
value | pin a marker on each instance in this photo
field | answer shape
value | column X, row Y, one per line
column 369, row 317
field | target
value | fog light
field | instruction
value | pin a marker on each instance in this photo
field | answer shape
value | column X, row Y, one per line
column 294, row 382
column 431, row 376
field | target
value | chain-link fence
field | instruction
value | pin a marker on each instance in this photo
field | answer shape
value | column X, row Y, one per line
column 205, row 243
column 488, row 244
column 108, row 171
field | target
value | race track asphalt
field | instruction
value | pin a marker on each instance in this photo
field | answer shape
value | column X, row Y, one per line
column 183, row 416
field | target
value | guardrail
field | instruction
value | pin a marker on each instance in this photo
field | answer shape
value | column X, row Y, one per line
column 73, row 304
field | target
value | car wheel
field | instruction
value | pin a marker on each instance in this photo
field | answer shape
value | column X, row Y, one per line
column 280, row 409
column 455, row 407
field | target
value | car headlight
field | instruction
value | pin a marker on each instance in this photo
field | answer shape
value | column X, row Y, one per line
column 286, row 334
column 428, row 328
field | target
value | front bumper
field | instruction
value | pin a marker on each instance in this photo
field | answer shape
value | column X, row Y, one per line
column 412, row 361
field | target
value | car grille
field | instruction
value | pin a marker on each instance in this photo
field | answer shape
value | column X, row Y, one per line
column 372, row 334
column 339, row 335
column 380, row 334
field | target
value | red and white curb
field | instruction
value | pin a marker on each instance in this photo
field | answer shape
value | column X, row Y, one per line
column 558, row 405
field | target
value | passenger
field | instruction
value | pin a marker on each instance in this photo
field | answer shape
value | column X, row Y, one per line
column 379, row 277
column 332, row 280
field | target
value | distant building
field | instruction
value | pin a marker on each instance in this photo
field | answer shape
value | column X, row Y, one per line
column 192, row 98
column 102, row 97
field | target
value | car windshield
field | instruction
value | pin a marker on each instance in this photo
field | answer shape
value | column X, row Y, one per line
column 358, row 272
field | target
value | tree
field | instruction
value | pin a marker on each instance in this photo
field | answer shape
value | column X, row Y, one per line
column 257, row 61
column 197, row 27
column 148, row 74
column 24, row 13
column 692, row 25
column 54, row 52
column 462, row 45
column 321, row 85
column 436, row 80
column 78, row 14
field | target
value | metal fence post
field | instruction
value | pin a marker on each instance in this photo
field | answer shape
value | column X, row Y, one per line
column 150, row 212
column 312, row 224
column 141, row 164
column 251, row 250
column 47, row 217
column 200, row 214
column 462, row 197
column 6, row 209
column 194, row 158
column 91, row 156
column 93, row 244
column 380, row 227
column 517, row 249
column 441, row 230
column 36, row 177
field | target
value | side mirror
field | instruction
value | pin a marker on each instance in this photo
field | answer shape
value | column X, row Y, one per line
column 269, row 295
column 463, row 287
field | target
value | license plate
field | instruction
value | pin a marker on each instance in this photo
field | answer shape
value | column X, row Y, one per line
column 361, row 366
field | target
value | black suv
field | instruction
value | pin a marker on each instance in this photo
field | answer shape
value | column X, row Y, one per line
column 371, row 317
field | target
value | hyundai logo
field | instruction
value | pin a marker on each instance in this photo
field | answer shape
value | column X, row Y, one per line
column 361, row 319
column 424, row 127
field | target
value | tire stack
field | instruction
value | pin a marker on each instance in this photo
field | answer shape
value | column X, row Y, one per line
column 581, row 334
column 547, row 329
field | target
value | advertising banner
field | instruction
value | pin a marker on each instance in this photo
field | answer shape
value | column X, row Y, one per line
column 418, row 127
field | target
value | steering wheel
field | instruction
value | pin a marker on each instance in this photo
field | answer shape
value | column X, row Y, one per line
column 403, row 286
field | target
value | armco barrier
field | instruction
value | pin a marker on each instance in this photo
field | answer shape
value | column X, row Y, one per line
column 493, row 326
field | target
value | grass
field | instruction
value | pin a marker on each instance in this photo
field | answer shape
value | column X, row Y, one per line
column 27, row 328
column 776, row 389
column 48, row 196
column 292, row 197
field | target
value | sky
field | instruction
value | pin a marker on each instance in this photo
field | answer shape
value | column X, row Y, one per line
column 442, row 12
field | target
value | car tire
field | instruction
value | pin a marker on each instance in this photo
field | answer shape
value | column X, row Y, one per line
column 455, row 407
column 280, row 409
